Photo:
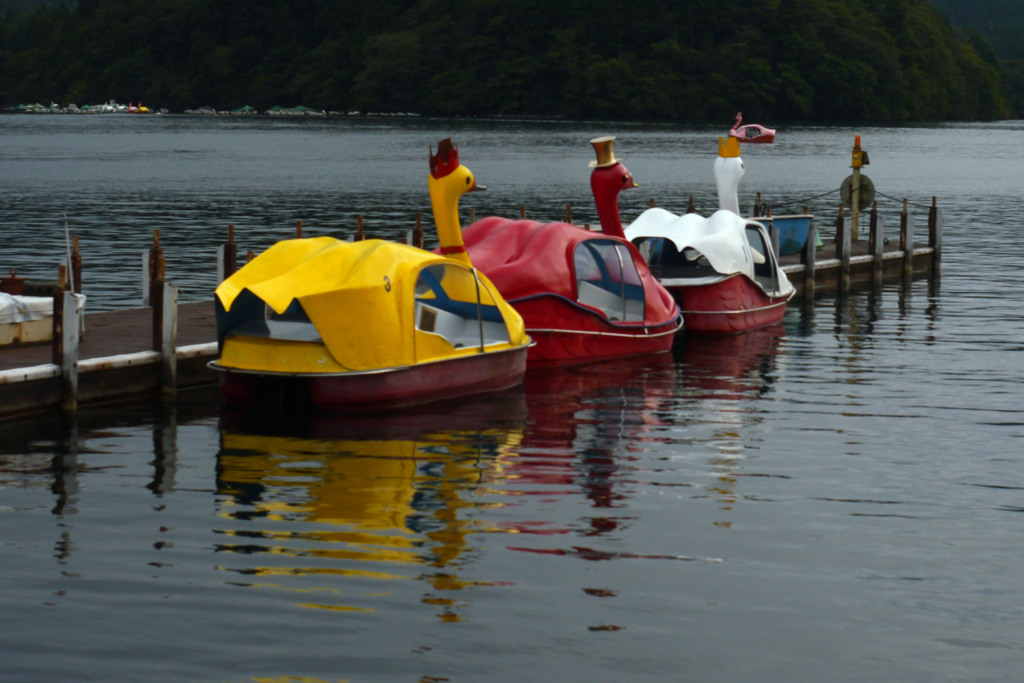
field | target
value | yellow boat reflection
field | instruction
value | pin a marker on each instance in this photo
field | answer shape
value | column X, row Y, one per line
column 372, row 500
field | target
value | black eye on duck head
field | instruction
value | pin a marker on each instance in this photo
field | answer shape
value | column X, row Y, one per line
column 627, row 179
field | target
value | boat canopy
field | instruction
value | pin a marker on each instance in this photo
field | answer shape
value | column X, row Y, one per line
column 526, row 259
column 730, row 243
column 374, row 304
column 720, row 238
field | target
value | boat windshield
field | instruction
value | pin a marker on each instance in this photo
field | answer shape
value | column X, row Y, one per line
column 607, row 279
column 764, row 269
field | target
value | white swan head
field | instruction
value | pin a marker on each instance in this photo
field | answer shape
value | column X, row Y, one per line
column 728, row 171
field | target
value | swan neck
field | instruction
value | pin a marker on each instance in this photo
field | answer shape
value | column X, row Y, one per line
column 727, row 172
column 607, row 201
column 445, row 205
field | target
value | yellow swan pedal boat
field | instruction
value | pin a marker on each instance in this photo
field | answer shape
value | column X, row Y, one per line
column 370, row 324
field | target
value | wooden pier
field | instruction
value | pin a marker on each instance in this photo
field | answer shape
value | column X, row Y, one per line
column 846, row 263
column 114, row 359
column 154, row 351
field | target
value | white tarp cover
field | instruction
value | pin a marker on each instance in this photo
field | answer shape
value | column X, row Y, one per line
column 18, row 309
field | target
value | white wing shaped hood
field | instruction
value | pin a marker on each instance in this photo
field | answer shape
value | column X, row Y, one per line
column 720, row 237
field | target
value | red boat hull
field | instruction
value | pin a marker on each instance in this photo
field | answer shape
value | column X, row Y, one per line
column 759, row 138
column 413, row 384
column 728, row 306
column 755, row 135
column 566, row 333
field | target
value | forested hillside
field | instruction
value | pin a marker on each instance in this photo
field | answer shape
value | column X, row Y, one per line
column 1001, row 22
column 14, row 6
column 812, row 60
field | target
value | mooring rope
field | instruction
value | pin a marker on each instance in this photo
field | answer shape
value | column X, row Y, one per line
column 819, row 196
column 877, row 192
column 900, row 199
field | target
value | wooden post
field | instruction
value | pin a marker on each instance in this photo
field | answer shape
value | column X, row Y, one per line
column 522, row 212
column 807, row 257
column 652, row 202
column 568, row 214
column 169, row 340
column 691, row 207
column 227, row 264
column 903, row 228
column 156, row 259
column 155, row 265
column 76, row 266
column 876, row 244
column 860, row 159
column 872, row 220
column 855, row 206
column 298, row 229
column 57, row 348
column 69, row 351
column 359, row 229
column 417, row 233
column 934, row 237
column 472, row 216
column 843, row 251
column 907, row 241
column 145, row 277
column 156, row 302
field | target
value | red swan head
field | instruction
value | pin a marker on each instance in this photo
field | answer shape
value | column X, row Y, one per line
column 607, row 180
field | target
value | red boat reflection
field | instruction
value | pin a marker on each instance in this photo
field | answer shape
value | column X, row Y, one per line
column 579, row 417
column 734, row 366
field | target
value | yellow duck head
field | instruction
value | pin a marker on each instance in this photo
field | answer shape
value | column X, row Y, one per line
column 448, row 181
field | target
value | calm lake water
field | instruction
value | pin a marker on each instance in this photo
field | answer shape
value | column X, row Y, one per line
column 837, row 499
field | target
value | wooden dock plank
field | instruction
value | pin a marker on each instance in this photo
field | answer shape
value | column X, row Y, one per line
column 827, row 267
column 112, row 333
column 115, row 362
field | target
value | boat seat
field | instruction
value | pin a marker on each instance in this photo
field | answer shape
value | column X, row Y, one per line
column 459, row 330
column 611, row 304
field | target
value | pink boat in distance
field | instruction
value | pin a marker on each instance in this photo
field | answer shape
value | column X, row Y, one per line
column 753, row 132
